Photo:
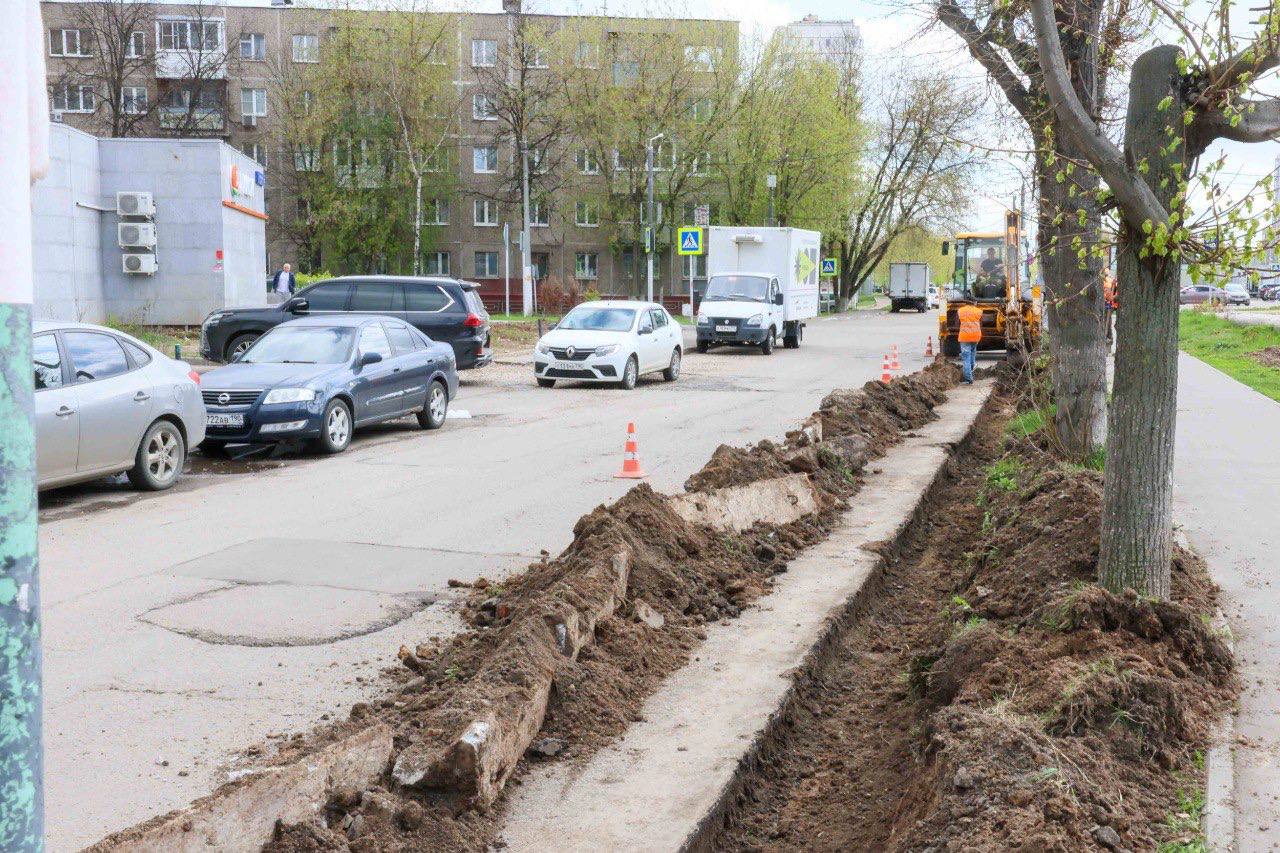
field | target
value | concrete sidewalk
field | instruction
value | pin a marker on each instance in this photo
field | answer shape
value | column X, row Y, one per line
column 1226, row 491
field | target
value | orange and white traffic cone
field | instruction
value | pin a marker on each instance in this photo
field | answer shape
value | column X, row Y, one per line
column 894, row 364
column 928, row 348
column 885, row 375
column 630, row 459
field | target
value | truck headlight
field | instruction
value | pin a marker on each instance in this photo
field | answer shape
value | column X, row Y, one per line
column 756, row 320
column 289, row 395
column 608, row 349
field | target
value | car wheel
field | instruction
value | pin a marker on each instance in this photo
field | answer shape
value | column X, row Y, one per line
column 237, row 345
column 335, row 428
column 545, row 383
column 672, row 373
column 769, row 341
column 436, row 409
column 630, row 374
column 161, row 454
column 703, row 346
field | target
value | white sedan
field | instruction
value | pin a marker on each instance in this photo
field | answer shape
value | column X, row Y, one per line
column 613, row 341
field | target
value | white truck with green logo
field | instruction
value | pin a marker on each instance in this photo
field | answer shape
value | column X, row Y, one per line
column 762, row 284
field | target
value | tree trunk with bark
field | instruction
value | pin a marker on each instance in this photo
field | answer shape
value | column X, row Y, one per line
column 1137, row 514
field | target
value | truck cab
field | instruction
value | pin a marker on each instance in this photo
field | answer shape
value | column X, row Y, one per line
column 744, row 308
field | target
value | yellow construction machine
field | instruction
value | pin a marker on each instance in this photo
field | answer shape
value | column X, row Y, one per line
column 992, row 272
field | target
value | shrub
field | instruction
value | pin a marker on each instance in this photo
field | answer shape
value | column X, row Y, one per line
column 556, row 297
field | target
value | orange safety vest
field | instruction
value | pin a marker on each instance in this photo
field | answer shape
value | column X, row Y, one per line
column 970, row 324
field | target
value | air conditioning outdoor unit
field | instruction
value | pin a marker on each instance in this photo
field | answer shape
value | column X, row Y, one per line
column 249, row 121
column 57, row 116
column 139, row 264
column 135, row 204
column 136, row 234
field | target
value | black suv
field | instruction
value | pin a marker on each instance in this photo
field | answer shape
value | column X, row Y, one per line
column 445, row 309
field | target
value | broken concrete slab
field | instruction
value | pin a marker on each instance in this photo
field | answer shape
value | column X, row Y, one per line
column 242, row 815
column 780, row 500
column 675, row 769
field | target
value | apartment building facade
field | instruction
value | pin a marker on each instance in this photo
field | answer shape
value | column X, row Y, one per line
column 211, row 70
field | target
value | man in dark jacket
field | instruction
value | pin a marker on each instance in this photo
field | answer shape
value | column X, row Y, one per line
column 283, row 283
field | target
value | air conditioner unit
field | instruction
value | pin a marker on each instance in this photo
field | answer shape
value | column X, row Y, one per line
column 136, row 234
column 57, row 116
column 249, row 121
column 139, row 264
column 135, row 204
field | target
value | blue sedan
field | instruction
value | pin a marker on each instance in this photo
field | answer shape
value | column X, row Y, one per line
column 320, row 378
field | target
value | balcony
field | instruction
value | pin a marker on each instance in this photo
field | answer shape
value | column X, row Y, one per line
column 191, row 64
column 199, row 120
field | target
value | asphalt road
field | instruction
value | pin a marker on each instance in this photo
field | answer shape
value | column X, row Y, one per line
column 185, row 627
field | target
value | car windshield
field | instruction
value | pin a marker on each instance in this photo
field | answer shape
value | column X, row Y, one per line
column 1236, row 288
column 751, row 288
column 586, row 318
column 302, row 345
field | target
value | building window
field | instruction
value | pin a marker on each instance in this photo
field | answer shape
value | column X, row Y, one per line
column 534, row 57
column 137, row 45
column 257, row 151
column 486, row 212
column 587, row 214
column 253, row 102
column 586, row 265
column 588, row 164
column 189, row 35
column 539, row 212
column 484, row 159
column 73, row 99
column 133, row 100
column 436, row 54
column 253, row 46
column 68, row 42
column 625, row 71
column 306, row 48
column 486, row 264
column 699, row 108
column 700, row 165
column 482, row 108
column 437, row 211
column 702, row 58
column 622, row 163
column 587, row 55
column 657, row 208
column 306, row 158
column 438, row 160
column 436, row 263
column 484, row 53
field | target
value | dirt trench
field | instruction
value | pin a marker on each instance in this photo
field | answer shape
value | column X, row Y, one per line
column 986, row 696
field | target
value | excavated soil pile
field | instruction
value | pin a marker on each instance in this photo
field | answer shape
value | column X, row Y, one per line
column 679, row 577
column 990, row 697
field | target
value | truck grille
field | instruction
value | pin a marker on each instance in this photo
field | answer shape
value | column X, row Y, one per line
column 215, row 397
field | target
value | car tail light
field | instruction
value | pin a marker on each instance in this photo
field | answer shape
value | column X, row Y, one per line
column 194, row 377
column 473, row 321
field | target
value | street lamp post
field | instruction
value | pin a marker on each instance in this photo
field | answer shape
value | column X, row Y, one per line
column 526, row 262
column 771, row 181
column 652, row 234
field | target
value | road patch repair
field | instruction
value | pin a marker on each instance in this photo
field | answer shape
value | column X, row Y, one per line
column 635, row 686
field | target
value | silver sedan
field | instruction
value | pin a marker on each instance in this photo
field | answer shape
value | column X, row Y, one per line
column 106, row 402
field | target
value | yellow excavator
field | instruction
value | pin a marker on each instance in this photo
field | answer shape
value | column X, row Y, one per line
column 992, row 272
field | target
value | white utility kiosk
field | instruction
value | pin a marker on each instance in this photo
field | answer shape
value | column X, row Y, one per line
column 762, row 284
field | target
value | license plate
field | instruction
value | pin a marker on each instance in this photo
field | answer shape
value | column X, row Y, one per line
column 224, row 420
column 726, row 328
column 567, row 365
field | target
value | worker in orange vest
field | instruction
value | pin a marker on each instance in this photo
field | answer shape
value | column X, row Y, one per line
column 970, row 333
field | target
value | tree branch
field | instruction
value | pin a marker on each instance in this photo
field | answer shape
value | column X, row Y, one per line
column 981, row 49
column 1137, row 202
column 1259, row 122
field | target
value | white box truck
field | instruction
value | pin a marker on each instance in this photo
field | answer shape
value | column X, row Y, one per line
column 909, row 286
column 762, row 284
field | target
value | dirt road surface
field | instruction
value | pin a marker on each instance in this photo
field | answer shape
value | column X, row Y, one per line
column 184, row 627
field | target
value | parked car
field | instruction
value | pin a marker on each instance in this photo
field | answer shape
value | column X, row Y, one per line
column 106, row 402
column 444, row 309
column 1269, row 292
column 1197, row 294
column 1237, row 294
column 321, row 378
column 931, row 296
column 615, row 341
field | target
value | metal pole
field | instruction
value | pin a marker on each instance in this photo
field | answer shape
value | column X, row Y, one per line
column 653, row 229
column 506, row 264
column 526, row 263
column 772, row 182
column 21, row 770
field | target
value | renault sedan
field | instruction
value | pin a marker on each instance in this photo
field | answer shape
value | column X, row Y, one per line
column 615, row 341
column 320, row 378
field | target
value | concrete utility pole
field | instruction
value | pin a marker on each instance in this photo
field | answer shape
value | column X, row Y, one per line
column 771, row 181
column 526, row 263
column 506, row 266
column 25, row 159
column 652, row 233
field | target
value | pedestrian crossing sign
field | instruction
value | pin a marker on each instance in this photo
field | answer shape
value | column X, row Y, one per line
column 830, row 267
column 691, row 242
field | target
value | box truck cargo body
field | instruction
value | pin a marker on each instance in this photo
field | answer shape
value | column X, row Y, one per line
column 909, row 286
column 762, row 284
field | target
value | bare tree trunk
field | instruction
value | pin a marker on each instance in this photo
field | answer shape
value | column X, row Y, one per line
column 417, row 223
column 1137, row 515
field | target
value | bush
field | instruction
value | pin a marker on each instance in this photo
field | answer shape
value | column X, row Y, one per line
column 556, row 297
column 306, row 279
column 591, row 295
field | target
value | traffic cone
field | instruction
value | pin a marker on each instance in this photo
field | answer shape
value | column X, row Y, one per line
column 894, row 364
column 928, row 348
column 630, row 459
column 885, row 376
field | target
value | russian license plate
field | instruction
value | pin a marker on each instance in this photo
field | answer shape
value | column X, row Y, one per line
column 567, row 365
column 726, row 328
column 224, row 420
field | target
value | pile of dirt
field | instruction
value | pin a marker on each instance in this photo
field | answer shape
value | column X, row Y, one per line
column 990, row 697
column 1269, row 357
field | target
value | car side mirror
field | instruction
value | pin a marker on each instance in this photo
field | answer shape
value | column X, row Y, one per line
column 297, row 306
column 370, row 358
column 777, row 299
column 645, row 330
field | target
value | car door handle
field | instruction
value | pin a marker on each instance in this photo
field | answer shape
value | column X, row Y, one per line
column 141, row 397
column 395, row 370
column 65, row 411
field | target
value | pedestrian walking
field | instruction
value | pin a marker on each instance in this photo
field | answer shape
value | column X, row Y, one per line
column 970, row 333
column 282, row 286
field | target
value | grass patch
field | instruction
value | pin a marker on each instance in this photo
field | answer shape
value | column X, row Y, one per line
column 1226, row 346
column 163, row 338
column 1029, row 422
column 1003, row 475
column 1185, row 824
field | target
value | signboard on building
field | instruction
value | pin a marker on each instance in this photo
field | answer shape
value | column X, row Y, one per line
column 702, row 215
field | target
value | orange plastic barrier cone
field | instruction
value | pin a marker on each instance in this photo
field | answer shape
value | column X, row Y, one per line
column 928, row 348
column 894, row 364
column 885, row 375
column 630, row 459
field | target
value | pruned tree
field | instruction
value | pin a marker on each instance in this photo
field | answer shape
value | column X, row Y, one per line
column 1178, row 104
column 116, row 34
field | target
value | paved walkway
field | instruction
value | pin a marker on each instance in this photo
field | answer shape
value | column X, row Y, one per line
column 1227, row 497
